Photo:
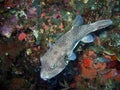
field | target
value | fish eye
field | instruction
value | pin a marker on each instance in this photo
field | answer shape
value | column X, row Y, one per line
column 54, row 66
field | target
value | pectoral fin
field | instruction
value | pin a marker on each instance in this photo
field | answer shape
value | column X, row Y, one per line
column 50, row 44
column 88, row 39
column 72, row 56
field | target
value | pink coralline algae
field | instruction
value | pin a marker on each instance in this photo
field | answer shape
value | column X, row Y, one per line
column 9, row 3
column 86, row 62
column 13, row 20
column 32, row 12
column 87, row 69
column 7, row 30
column 57, row 15
column 22, row 36
column 112, row 74
column 9, row 26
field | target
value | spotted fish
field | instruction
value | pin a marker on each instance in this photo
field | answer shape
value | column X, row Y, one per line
column 56, row 58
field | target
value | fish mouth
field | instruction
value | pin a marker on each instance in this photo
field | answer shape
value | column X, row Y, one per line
column 44, row 77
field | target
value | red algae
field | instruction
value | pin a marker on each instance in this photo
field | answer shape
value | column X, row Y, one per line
column 113, row 73
column 73, row 85
column 114, row 57
column 99, row 41
column 86, row 62
column 117, row 77
column 78, row 78
column 88, row 72
column 22, row 36
column 91, row 54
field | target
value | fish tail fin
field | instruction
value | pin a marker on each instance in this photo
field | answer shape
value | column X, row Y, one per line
column 101, row 24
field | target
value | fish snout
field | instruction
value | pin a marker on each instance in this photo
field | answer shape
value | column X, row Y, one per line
column 44, row 76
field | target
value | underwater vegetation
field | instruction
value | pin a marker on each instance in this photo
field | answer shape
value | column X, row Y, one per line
column 28, row 28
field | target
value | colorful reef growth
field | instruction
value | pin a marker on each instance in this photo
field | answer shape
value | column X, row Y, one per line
column 28, row 28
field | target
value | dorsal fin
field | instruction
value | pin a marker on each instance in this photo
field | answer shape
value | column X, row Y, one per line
column 78, row 21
